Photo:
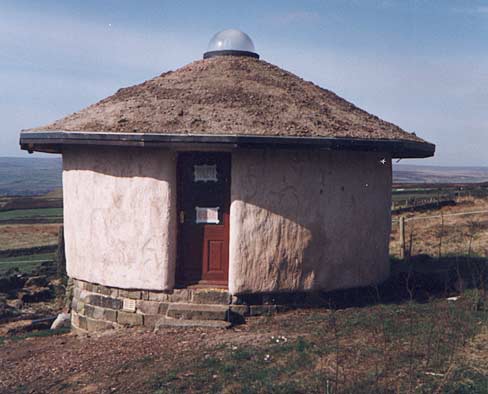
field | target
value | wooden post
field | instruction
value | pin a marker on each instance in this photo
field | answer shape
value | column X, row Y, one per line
column 402, row 237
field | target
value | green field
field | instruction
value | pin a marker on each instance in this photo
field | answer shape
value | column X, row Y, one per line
column 31, row 213
column 24, row 263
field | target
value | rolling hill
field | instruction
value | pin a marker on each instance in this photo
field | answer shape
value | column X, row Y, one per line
column 35, row 176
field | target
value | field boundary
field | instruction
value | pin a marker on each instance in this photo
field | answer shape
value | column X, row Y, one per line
column 440, row 216
column 28, row 251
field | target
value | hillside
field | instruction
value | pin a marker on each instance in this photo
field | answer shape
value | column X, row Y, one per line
column 29, row 176
column 37, row 176
column 409, row 173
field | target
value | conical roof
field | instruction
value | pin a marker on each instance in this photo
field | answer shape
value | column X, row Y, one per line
column 232, row 96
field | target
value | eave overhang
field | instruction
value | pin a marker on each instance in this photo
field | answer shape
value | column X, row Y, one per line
column 54, row 141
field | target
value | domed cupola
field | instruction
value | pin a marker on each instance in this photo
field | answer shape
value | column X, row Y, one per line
column 230, row 42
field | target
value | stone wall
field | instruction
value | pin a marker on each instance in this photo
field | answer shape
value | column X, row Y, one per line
column 308, row 220
column 96, row 307
column 120, row 216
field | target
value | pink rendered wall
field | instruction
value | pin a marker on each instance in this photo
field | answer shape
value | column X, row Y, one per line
column 308, row 220
column 120, row 216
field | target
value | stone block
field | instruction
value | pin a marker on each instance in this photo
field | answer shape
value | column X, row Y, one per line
column 78, row 284
column 130, row 319
column 98, row 325
column 134, row 294
column 76, row 292
column 180, row 295
column 98, row 313
column 106, row 291
column 158, row 296
column 103, row 301
column 145, row 295
column 75, row 319
column 74, row 303
column 211, row 297
column 259, row 310
column 168, row 322
column 150, row 321
column 83, row 295
column 242, row 310
column 151, row 307
column 82, row 322
column 89, row 287
column 80, row 307
column 198, row 312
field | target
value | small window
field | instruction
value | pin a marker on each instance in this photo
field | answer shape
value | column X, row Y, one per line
column 205, row 173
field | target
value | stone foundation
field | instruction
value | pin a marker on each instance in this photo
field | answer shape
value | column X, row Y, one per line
column 97, row 308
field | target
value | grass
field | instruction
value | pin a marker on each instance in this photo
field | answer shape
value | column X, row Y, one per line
column 27, row 235
column 34, row 334
column 384, row 348
column 452, row 235
column 31, row 214
column 24, row 263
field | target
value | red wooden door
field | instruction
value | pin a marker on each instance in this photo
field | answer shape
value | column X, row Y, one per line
column 203, row 215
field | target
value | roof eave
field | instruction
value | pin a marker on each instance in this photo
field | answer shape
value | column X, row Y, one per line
column 53, row 141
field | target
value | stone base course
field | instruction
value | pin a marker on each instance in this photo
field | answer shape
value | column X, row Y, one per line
column 98, row 308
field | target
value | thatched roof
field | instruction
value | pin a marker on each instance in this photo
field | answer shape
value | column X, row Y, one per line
column 230, row 95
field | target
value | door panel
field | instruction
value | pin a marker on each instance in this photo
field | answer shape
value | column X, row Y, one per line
column 203, row 205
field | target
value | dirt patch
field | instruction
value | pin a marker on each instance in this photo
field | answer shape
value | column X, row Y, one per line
column 356, row 349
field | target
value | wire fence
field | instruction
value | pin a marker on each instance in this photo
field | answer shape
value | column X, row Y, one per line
column 408, row 219
column 445, row 234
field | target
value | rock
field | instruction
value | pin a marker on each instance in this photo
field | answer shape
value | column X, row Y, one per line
column 62, row 321
column 36, row 281
column 17, row 304
column 7, row 311
column 35, row 294
column 11, row 281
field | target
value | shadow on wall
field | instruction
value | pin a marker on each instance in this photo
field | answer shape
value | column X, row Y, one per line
column 309, row 220
column 137, row 162
column 420, row 279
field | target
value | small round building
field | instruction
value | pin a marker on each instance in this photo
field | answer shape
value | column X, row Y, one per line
column 225, row 178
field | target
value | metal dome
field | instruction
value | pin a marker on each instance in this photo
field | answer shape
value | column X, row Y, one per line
column 230, row 42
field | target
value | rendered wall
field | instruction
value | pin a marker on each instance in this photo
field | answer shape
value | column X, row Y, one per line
column 304, row 221
column 120, row 216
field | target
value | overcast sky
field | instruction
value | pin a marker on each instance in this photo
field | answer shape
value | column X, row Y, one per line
column 420, row 64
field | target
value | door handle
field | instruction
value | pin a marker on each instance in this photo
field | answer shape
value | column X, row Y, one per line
column 182, row 217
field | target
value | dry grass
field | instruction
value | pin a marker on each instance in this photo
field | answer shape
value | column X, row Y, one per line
column 28, row 235
column 457, row 235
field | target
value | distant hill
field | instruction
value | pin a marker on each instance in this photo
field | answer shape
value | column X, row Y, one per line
column 35, row 176
column 29, row 176
column 409, row 173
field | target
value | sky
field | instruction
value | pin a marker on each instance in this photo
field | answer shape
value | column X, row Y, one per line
column 420, row 64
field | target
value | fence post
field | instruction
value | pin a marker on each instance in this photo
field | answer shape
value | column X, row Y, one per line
column 402, row 237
